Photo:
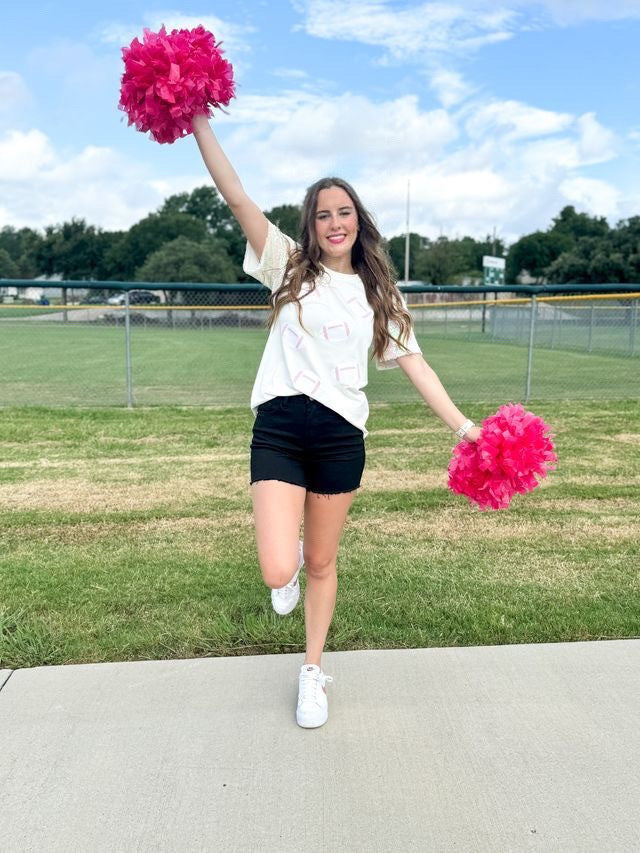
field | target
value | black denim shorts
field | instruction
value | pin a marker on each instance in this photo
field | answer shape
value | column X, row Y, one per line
column 298, row 440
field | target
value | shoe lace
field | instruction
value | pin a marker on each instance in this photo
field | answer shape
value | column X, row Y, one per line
column 309, row 685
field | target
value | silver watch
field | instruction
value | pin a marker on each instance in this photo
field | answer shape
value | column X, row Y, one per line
column 464, row 429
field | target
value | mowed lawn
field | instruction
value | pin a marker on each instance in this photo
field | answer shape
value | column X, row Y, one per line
column 128, row 535
column 58, row 364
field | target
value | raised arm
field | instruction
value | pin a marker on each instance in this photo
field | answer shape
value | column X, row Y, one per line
column 251, row 219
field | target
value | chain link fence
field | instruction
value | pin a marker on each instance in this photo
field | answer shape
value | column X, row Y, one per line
column 68, row 344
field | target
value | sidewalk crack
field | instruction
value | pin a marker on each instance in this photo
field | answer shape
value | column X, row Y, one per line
column 6, row 681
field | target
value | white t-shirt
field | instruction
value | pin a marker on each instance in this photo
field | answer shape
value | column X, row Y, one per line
column 328, row 361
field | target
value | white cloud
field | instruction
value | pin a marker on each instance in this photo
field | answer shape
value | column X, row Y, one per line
column 235, row 45
column 270, row 109
column 301, row 138
column 590, row 143
column 449, row 86
column 233, row 35
column 543, row 160
column 596, row 197
column 501, row 173
column 410, row 32
column 597, row 143
column 40, row 185
column 23, row 156
column 469, row 170
column 414, row 31
column 515, row 120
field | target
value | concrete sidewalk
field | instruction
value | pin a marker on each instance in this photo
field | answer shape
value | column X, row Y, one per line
column 500, row 748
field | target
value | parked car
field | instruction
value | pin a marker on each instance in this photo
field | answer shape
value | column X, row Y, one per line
column 136, row 297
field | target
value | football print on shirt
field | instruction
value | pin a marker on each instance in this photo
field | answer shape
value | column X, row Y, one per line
column 347, row 373
column 293, row 337
column 337, row 331
column 307, row 382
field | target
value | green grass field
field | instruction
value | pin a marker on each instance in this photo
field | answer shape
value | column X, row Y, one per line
column 57, row 364
column 128, row 535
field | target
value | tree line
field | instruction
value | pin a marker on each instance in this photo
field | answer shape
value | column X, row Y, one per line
column 193, row 237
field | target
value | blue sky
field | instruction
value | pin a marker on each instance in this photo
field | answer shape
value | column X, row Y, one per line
column 499, row 113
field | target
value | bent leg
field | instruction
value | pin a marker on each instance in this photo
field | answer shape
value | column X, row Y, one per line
column 324, row 518
column 277, row 510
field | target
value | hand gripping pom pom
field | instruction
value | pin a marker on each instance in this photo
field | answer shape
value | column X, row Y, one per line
column 511, row 450
column 169, row 79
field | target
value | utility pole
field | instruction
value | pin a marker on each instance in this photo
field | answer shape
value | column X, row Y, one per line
column 484, row 295
column 406, row 239
column 493, row 252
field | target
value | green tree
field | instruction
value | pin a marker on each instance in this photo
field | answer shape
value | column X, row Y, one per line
column 203, row 203
column 109, row 250
column 148, row 235
column 534, row 253
column 573, row 225
column 22, row 244
column 287, row 218
column 8, row 267
column 568, row 267
column 207, row 205
column 70, row 250
column 396, row 250
column 607, row 266
column 626, row 240
column 438, row 261
column 188, row 260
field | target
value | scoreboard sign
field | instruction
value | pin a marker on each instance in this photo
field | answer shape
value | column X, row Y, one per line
column 493, row 270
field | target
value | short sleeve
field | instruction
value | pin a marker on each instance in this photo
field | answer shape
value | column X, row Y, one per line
column 394, row 350
column 269, row 268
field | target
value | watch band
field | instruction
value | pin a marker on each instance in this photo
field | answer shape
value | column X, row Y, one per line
column 464, row 429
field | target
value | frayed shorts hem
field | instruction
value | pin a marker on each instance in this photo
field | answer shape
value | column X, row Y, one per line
column 322, row 493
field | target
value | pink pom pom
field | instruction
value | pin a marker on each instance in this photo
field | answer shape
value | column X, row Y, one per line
column 511, row 451
column 169, row 79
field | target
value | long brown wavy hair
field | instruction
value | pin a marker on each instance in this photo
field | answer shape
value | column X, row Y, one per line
column 368, row 258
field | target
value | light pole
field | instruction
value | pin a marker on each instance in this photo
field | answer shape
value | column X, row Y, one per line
column 406, row 240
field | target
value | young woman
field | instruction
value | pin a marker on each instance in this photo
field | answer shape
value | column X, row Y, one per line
column 332, row 297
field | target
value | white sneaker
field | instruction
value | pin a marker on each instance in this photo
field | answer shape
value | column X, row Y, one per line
column 285, row 598
column 313, row 708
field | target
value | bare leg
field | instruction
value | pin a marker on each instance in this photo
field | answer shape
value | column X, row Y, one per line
column 324, row 518
column 277, row 509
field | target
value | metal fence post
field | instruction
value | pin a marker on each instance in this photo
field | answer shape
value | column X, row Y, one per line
column 520, row 320
column 127, row 348
column 532, row 326
column 632, row 327
column 591, row 313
